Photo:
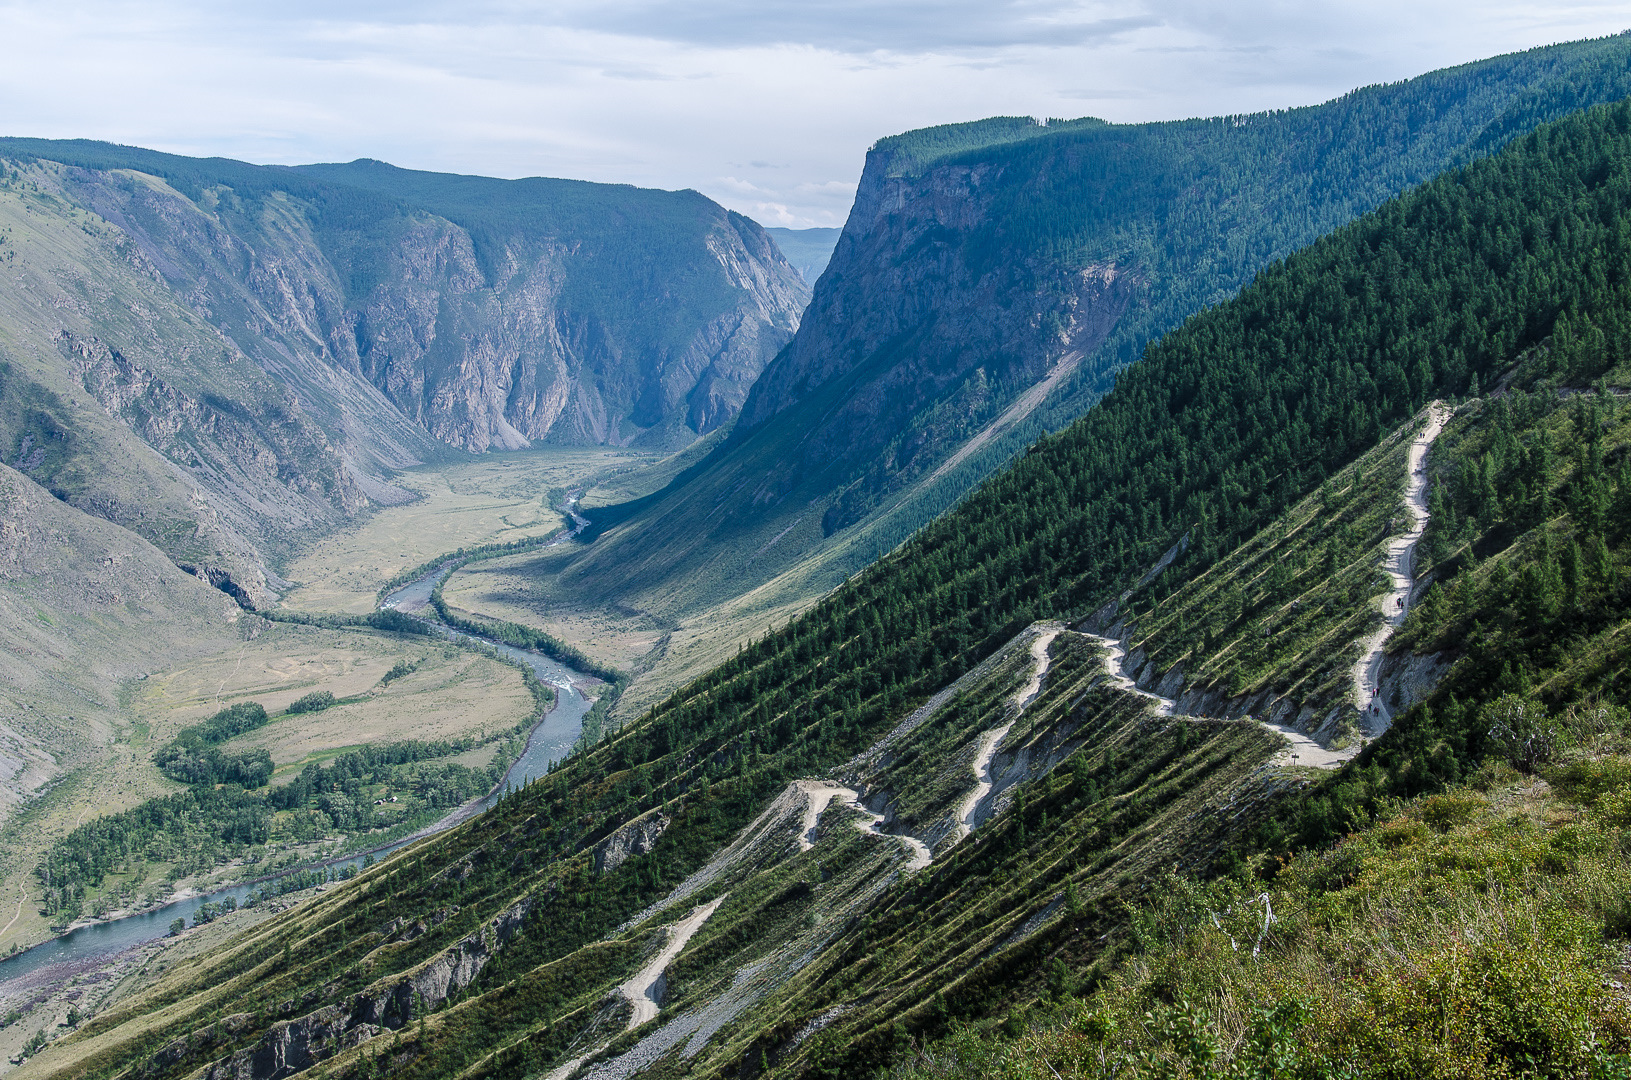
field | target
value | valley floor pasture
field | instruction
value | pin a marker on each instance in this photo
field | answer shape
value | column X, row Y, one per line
column 493, row 499
column 447, row 694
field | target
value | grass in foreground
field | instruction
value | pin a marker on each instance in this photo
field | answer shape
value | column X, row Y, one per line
column 1481, row 932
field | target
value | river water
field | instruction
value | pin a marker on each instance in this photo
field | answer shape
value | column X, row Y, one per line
column 549, row 741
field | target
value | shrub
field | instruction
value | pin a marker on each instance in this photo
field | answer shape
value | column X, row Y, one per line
column 230, row 721
column 1587, row 781
column 1520, row 730
column 1444, row 812
column 401, row 668
column 316, row 701
column 1615, row 808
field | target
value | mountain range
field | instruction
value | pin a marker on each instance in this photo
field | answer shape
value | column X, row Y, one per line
column 263, row 346
column 1214, row 541
column 991, row 281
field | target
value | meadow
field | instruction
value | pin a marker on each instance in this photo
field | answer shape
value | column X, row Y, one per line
column 496, row 498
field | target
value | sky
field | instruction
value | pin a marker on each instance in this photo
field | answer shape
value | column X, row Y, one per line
column 767, row 106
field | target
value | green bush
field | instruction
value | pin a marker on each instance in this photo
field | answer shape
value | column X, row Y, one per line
column 1520, row 730
column 316, row 701
column 401, row 669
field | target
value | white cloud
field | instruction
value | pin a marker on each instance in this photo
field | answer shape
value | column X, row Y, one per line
column 765, row 105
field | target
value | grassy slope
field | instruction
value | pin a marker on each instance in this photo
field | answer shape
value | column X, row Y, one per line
column 907, row 946
column 1284, row 612
column 1474, row 933
column 87, row 609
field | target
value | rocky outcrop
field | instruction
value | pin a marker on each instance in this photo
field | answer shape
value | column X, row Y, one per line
column 292, row 1046
column 505, row 363
column 247, row 442
column 489, row 313
column 635, row 838
column 260, row 459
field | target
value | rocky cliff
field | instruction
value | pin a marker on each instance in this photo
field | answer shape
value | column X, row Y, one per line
column 929, row 344
column 513, row 311
column 266, row 345
column 992, row 279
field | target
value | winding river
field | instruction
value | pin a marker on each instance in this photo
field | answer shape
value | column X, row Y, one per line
column 549, row 741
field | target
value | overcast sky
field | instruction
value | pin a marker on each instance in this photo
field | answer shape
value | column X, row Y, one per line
column 766, row 105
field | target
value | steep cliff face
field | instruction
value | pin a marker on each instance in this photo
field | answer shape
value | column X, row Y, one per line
column 265, row 346
column 253, row 268
column 122, row 400
column 507, row 312
column 930, row 344
column 500, row 366
column 915, row 348
column 489, row 313
column 992, row 279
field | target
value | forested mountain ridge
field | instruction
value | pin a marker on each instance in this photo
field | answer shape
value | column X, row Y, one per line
column 993, row 277
column 824, row 949
column 284, row 339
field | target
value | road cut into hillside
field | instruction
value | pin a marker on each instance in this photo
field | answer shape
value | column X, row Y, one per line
column 1302, row 751
column 1399, row 565
column 822, row 793
column 990, row 740
column 1114, row 657
column 645, row 989
column 1375, row 715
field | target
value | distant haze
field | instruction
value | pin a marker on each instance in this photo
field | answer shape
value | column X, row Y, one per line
column 809, row 250
column 766, row 106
